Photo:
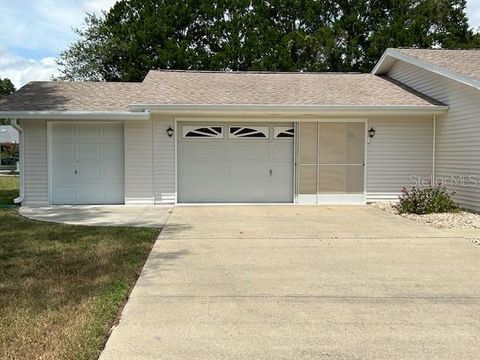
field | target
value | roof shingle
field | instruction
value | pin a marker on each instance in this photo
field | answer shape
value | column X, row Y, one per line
column 216, row 88
column 464, row 62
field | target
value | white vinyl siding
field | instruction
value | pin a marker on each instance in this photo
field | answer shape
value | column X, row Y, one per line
column 35, row 157
column 401, row 148
column 163, row 159
column 139, row 162
column 457, row 133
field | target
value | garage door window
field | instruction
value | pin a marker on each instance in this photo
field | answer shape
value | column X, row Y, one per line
column 203, row 132
column 283, row 132
column 255, row 132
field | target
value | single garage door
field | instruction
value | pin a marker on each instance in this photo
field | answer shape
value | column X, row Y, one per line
column 87, row 165
column 236, row 163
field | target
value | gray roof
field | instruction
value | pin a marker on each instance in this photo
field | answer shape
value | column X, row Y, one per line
column 464, row 62
column 8, row 134
column 216, row 88
column 72, row 96
column 293, row 88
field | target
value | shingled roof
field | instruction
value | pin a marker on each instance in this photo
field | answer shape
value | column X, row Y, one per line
column 217, row 88
column 72, row 96
column 464, row 62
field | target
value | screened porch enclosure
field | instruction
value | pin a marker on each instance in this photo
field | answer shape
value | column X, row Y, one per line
column 330, row 160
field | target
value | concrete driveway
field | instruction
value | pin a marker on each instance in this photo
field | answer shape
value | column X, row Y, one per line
column 299, row 282
column 100, row 215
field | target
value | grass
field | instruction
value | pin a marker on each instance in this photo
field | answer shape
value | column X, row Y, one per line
column 8, row 189
column 61, row 286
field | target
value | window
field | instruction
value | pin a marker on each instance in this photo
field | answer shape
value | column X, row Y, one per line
column 256, row 132
column 283, row 132
column 203, row 132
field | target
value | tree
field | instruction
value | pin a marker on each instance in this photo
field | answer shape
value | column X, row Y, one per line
column 6, row 88
column 284, row 35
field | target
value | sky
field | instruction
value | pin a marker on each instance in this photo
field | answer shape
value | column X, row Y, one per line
column 34, row 32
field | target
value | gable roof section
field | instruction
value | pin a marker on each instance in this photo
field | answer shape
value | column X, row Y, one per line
column 243, row 90
column 294, row 88
column 459, row 65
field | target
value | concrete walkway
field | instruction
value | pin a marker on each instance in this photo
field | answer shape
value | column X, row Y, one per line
column 299, row 282
column 101, row 215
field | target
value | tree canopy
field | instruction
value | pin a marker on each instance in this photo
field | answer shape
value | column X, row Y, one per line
column 6, row 87
column 283, row 35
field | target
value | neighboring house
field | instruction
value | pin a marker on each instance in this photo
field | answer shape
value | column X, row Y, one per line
column 8, row 144
column 248, row 137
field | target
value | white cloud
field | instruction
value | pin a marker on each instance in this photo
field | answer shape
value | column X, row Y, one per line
column 35, row 32
column 473, row 12
column 96, row 6
column 21, row 71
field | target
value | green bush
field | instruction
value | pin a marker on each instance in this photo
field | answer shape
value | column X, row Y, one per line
column 428, row 200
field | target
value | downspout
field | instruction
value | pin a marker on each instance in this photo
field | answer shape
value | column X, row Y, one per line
column 434, row 146
column 17, row 127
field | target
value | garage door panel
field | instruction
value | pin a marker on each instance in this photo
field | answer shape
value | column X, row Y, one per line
column 232, row 169
column 210, row 170
column 64, row 152
column 110, row 193
column 247, row 150
column 64, row 173
column 87, row 168
column 112, row 152
column 63, row 132
column 113, row 171
column 248, row 170
column 212, row 191
column 89, row 194
column 89, row 172
column 201, row 149
column 64, row 194
column 89, row 152
column 282, row 150
column 258, row 191
column 89, row 132
column 112, row 132
column 282, row 170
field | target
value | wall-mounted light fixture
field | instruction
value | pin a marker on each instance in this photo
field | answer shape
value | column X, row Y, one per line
column 170, row 131
column 371, row 132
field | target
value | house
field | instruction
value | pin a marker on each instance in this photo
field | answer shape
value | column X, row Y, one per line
column 8, row 144
column 252, row 137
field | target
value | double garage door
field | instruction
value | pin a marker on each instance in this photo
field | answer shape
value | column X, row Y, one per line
column 235, row 163
column 87, row 164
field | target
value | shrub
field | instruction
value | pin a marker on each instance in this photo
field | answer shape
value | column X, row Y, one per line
column 433, row 199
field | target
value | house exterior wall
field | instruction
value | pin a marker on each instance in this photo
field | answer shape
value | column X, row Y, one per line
column 401, row 149
column 457, row 133
column 36, row 164
column 163, row 159
column 139, row 168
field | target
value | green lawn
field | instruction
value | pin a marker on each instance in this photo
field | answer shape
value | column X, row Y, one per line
column 8, row 189
column 61, row 286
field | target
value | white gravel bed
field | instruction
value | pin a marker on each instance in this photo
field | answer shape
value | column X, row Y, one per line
column 458, row 220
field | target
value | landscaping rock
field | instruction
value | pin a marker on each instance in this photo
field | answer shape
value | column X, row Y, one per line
column 457, row 220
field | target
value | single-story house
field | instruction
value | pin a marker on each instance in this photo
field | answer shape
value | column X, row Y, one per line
column 253, row 137
column 8, row 142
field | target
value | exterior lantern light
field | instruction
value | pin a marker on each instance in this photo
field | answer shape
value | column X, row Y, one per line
column 371, row 132
column 170, row 131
